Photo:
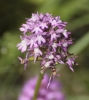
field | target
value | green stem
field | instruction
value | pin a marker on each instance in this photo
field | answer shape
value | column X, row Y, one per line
column 32, row 59
column 38, row 85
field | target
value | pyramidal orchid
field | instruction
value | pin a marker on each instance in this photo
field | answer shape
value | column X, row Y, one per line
column 45, row 38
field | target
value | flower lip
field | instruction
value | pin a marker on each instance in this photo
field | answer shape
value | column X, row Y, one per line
column 37, row 52
column 22, row 46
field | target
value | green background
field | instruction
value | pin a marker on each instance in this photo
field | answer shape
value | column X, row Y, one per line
column 12, row 74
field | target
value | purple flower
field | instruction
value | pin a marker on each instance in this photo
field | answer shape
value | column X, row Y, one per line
column 45, row 36
column 54, row 92
column 37, row 53
column 65, row 33
column 23, row 45
column 43, row 25
column 51, row 56
column 71, row 62
column 36, row 29
column 32, row 42
column 24, row 61
column 34, row 17
column 55, row 21
column 53, row 35
column 54, row 46
column 40, row 39
column 24, row 28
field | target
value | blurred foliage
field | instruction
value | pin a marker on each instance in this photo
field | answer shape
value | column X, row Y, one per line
column 12, row 74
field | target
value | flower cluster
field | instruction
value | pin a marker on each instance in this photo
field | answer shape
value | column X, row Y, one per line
column 54, row 92
column 45, row 36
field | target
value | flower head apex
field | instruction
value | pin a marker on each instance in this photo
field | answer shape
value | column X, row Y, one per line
column 45, row 36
